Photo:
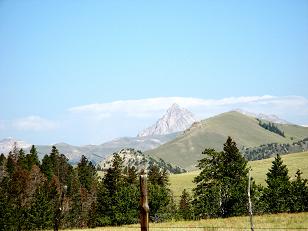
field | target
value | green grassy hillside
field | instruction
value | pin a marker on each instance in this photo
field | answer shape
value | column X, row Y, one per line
column 186, row 149
column 259, row 168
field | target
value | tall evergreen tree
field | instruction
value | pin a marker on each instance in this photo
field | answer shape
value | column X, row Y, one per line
column 185, row 207
column 11, row 164
column 114, row 176
column 277, row 192
column 160, row 196
column 86, row 172
column 108, row 193
column 221, row 185
column 2, row 159
column 132, row 175
column 299, row 193
column 41, row 211
column 47, row 167
column 22, row 161
column 158, row 176
column 32, row 158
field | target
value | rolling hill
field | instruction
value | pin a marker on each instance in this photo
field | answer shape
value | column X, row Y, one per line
column 186, row 149
column 294, row 161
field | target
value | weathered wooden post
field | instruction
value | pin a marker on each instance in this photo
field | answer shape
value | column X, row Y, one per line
column 144, row 206
column 250, row 204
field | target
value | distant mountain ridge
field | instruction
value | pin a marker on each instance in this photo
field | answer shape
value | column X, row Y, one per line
column 176, row 119
column 186, row 149
column 271, row 118
column 95, row 153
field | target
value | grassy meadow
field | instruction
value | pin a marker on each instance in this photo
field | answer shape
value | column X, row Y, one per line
column 283, row 221
column 259, row 168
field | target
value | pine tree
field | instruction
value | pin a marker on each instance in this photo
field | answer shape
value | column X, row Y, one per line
column 158, row 176
column 86, row 172
column 132, row 176
column 154, row 174
column 160, row 197
column 2, row 166
column 41, row 211
column 185, row 208
column 2, row 159
column 32, row 158
column 108, row 192
column 11, row 164
column 207, row 200
column 299, row 193
column 277, row 192
column 22, row 162
column 114, row 176
column 47, row 167
column 221, row 185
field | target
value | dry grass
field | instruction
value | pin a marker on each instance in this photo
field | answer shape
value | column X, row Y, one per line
column 294, row 161
column 283, row 221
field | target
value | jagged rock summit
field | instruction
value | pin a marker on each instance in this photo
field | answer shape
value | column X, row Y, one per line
column 176, row 119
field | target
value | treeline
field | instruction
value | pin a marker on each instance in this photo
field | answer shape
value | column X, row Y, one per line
column 52, row 193
column 268, row 150
column 38, row 195
column 221, row 187
column 271, row 127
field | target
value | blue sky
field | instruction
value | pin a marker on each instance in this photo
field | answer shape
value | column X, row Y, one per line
column 59, row 55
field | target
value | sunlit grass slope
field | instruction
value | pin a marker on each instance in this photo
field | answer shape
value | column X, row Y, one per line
column 186, row 149
column 259, row 169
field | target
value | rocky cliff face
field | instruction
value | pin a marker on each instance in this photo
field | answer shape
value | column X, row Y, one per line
column 176, row 119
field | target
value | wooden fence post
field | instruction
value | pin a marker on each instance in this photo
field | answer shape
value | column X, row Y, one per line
column 250, row 204
column 144, row 207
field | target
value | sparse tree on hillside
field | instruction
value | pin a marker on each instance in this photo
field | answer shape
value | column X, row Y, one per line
column 277, row 192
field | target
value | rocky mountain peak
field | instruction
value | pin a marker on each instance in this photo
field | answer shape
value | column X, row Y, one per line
column 174, row 120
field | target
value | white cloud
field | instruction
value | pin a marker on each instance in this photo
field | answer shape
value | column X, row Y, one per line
column 146, row 107
column 33, row 123
column 152, row 107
